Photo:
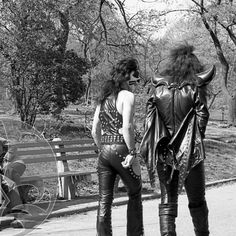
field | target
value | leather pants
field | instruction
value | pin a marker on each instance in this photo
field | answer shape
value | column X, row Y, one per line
column 195, row 189
column 109, row 165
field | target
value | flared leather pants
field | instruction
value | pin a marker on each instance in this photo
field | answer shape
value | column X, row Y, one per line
column 195, row 189
column 109, row 165
column 194, row 185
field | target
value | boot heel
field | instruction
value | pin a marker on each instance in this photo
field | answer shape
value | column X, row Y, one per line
column 167, row 215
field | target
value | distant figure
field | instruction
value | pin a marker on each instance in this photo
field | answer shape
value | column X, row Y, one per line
column 13, row 167
column 11, row 170
column 113, row 133
column 176, row 121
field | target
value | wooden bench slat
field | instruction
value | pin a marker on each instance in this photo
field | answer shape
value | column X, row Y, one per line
column 72, row 142
column 55, row 150
column 53, row 143
column 39, row 159
column 56, row 175
column 29, row 145
column 53, row 158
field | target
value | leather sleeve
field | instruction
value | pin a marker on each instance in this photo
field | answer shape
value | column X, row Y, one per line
column 202, row 109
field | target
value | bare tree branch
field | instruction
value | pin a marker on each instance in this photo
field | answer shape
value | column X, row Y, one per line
column 177, row 10
column 213, row 98
column 105, row 29
column 219, row 51
column 121, row 7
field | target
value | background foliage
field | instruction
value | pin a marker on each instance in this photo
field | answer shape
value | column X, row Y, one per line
column 57, row 53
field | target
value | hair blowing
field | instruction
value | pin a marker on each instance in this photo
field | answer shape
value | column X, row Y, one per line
column 119, row 74
column 183, row 63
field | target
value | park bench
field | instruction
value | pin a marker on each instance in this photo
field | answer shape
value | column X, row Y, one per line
column 41, row 155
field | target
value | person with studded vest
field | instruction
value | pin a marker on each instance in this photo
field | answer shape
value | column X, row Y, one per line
column 113, row 133
column 172, row 144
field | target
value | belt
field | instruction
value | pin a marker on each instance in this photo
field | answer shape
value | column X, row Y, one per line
column 111, row 139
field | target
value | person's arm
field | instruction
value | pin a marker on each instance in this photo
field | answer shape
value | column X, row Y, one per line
column 128, row 126
column 202, row 109
column 96, row 128
column 128, row 120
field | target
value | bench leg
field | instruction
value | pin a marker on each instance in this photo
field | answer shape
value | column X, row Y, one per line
column 66, row 188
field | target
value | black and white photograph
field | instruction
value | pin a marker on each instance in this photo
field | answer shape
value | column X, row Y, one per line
column 117, row 117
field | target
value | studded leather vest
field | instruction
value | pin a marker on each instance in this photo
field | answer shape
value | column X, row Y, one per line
column 111, row 119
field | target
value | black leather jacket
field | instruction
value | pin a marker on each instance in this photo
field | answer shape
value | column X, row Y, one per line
column 174, row 102
column 175, row 124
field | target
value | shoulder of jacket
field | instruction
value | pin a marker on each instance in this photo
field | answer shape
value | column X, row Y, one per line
column 160, row 81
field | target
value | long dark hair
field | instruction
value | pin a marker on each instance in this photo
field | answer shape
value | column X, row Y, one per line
column 119, row 73
column 182, row 64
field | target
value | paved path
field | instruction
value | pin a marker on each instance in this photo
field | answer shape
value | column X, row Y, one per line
column 222, row 217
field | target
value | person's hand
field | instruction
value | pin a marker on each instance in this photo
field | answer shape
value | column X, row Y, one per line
column 98, row 151
column 128, row 161
column 202, row 132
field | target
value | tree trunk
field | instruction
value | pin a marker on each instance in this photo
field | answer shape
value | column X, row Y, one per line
column 87, row 93
column 27, row 118
column 232, row 110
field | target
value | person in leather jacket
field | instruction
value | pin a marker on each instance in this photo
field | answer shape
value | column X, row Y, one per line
column 175, row 125
column 113, row 133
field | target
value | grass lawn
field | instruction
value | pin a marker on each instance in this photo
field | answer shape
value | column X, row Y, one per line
column 220, row 152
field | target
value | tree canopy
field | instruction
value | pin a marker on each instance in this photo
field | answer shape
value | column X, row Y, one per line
column 56, row 52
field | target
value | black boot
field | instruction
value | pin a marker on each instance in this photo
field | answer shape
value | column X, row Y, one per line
column 135, row 216
column 167, row 214
column 200, row 219
column 104, row 226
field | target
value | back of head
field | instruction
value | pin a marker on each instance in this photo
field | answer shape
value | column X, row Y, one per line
column 121, row 71
column 119, row 74
column 182, row 64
